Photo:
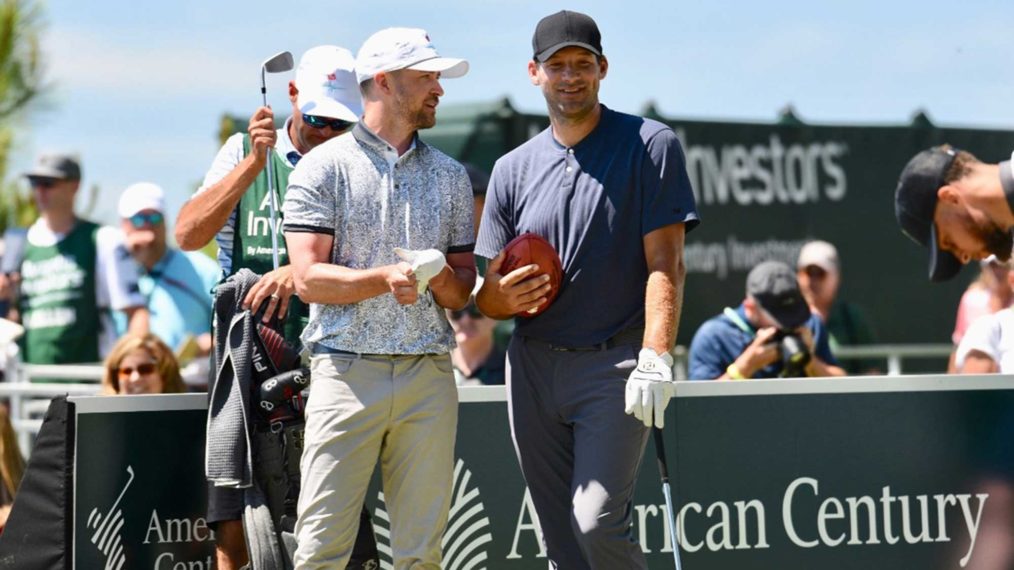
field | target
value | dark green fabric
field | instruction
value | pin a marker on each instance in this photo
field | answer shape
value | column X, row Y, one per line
column 849, row 326
column 57, row 301
column 252, row 241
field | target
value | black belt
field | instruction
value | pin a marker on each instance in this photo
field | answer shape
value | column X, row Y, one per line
column 627, row 337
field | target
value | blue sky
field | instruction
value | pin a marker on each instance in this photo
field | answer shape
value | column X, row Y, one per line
column 140, row 87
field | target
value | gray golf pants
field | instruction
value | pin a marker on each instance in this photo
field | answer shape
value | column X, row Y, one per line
column 579, row 452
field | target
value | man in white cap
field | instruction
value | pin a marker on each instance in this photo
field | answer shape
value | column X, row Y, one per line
column 819, row 274
column 233, row 206
column 71, row 278
column 177, row 284
column 380, row 234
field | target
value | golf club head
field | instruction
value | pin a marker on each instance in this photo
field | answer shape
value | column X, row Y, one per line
column 278, row 63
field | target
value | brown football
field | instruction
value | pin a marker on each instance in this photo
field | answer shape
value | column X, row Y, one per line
column 530, row 248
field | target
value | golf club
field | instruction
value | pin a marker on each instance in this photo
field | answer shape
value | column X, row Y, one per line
column 278, row 63
column 663, row 470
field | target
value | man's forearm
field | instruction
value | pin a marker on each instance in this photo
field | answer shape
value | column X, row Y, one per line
column 330, row 284
column 662, row 302
column 818, row 368
column 138, row 320
column 206, row 213
column 453, row 286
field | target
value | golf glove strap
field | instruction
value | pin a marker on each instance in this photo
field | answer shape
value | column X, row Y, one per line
column 649, row 387
column 426, row 264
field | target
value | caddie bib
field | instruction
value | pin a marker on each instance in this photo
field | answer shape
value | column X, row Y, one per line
column 58, row 303
column 251, row 246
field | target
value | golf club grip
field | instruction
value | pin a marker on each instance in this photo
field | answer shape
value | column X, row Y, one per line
column 663, row 466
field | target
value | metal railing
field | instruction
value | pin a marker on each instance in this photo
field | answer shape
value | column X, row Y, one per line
column 894, row 354
column 29, row 399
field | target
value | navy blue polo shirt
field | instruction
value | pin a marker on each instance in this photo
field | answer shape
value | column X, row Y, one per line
column 594, row 202
column 720, row 341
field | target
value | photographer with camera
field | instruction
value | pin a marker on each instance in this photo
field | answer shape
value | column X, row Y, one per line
column 771, row 334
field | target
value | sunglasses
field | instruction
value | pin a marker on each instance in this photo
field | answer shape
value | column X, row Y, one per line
column 42, row 183
column 471, row 310
column 142, row 369
column 319, row 122
column 140, row 220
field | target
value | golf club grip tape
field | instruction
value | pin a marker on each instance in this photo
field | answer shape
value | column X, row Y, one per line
column 663, row 467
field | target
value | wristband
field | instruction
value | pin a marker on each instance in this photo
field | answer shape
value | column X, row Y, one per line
column 734, row 372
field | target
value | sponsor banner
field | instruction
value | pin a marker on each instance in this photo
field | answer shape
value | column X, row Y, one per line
column 139, row 491
column 872, row 472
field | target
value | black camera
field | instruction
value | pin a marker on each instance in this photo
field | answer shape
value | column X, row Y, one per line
column 795, row 355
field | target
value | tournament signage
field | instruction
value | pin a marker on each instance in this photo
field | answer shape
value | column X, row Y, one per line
column 873, row 472
column 139, row 491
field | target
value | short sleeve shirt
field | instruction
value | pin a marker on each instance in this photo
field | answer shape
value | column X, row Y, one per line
column 992, row 335
column 720, row 341
column 594, row 202
column 356, row 188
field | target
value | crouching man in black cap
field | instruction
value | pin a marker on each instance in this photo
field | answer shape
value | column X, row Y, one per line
column 957, row 206
column 770, row 334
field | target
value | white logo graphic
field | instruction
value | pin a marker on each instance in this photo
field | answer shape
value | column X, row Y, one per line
column 467, row 527
column 107, row 537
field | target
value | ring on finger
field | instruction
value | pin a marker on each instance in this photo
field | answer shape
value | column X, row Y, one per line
column 275, row 296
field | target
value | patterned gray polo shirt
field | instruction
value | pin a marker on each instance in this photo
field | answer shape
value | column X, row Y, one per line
column 357, row 188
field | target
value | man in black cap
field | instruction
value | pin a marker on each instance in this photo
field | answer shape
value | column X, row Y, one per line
column 72, row 274
column 750, row 340
column 592, row 373
column 959, row 207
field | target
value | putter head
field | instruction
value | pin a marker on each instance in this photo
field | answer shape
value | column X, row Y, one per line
column 278, row 63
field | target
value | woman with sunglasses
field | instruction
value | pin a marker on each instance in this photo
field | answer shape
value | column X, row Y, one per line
column 141, row 365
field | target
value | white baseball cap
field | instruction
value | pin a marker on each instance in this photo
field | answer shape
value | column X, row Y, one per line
column 327, row 84
column 391, row 49
column 141, row 196
column 819, row 253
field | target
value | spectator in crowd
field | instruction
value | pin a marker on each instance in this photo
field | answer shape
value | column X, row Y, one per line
column 176, row 284
column 986, row 295
column 383, row 384
column 819, row 272
column 988, row 343
column 478, row 359
column 233, row 206
column 141, row 365
column 957, row 206
column 71, row 275
column 12, row 466
column 771, row 333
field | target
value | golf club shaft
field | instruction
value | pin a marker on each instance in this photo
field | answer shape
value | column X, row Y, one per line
column 271, row 188
column 663, row 470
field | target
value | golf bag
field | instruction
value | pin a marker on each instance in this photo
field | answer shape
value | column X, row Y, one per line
column 276, row 403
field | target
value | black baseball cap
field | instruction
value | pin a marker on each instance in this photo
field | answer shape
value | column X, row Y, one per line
column 774, row 286
column 55, row 165
column 564, row 29
column 915, row 202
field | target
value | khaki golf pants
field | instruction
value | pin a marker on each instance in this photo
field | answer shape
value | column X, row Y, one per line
column 402, row 410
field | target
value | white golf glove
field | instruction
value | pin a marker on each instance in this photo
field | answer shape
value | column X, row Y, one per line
column 649, row 387
column 426, row 263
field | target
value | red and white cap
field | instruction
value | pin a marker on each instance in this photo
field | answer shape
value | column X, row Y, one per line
column 326, row 80
column 391, row 49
